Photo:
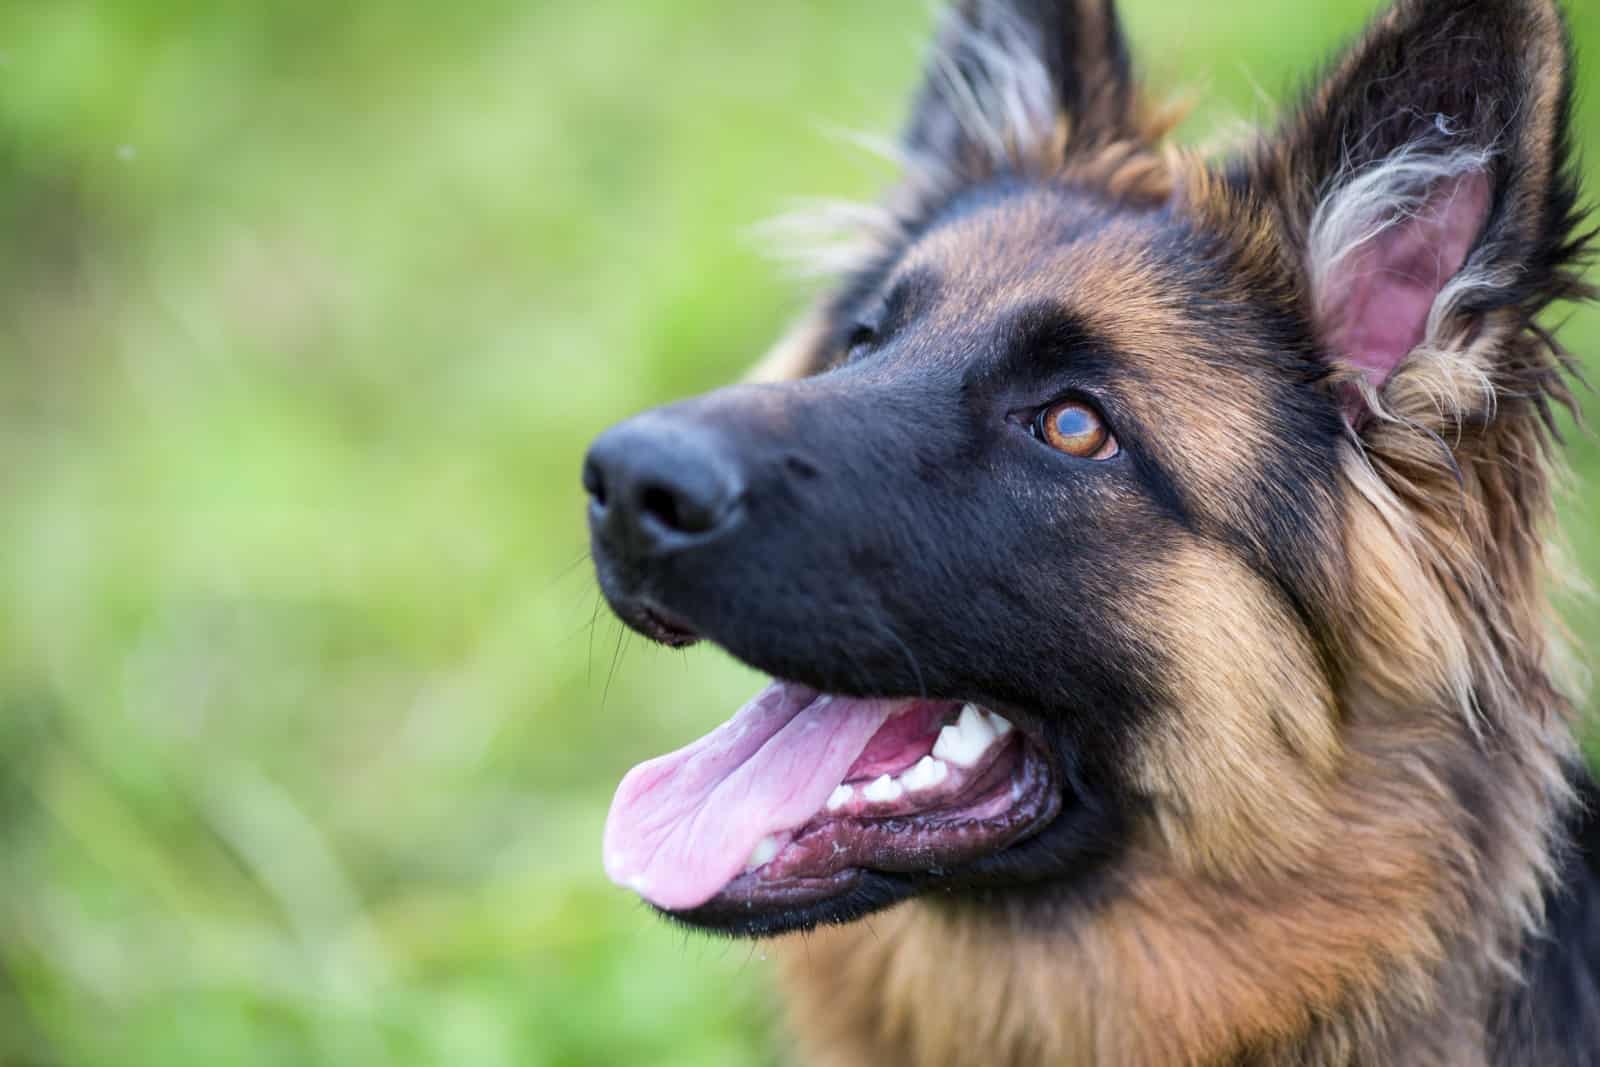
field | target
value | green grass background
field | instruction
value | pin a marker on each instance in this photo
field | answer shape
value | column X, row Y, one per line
column 307, row 312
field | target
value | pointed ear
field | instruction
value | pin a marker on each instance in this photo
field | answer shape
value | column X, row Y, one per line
column 1017, row 84
column 1426, row 186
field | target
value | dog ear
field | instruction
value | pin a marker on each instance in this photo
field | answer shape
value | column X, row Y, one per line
column 1018, row 84
column 1427, row 188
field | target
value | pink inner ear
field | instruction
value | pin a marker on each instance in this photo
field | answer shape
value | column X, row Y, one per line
column 1379, row 295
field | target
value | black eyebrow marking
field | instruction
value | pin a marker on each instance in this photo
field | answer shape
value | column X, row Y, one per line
column 1049, row 326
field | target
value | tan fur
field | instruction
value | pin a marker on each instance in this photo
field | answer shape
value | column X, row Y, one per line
column 1307, row 873
column 1311, row 884
column 1237, row 776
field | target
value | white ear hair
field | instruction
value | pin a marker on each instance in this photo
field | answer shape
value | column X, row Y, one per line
column 1360, row 207
column 1389, row 251
column 1003, row 96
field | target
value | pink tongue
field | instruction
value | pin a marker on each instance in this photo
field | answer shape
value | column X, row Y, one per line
column 683, row 825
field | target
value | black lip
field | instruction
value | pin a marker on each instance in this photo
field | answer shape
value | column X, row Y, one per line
column 1066, row 856
column 644, row 615
column 844, row 898
column 658, row 624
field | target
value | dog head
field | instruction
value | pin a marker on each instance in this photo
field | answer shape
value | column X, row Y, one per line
column 1111, row 484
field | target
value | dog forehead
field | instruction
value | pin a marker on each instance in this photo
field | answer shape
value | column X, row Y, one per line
column 1194, row 357
column 995, row 250
column 1139, row 281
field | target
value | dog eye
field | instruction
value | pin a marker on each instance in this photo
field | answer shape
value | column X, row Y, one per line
column 863, row 335
column 1075, row 428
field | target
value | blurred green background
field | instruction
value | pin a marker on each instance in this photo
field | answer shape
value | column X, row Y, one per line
column 308, row 720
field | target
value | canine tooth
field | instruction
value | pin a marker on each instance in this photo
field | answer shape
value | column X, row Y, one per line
column 975, row 723
column 762, row 854
column 965, row 743
column 883, row 790
column 840, row 797
column 927, row 773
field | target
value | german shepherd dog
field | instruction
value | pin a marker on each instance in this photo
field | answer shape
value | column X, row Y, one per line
column 1148, row 549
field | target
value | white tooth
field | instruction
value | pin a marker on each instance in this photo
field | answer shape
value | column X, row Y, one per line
column 975, row 724
column 965, row 743
column 883, row 790
column 952, row 747
column 762, row 854
column 912, row 777
column 840, row 797
column 1000, row 723
column 928, row 773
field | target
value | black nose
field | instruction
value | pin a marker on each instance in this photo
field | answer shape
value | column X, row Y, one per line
column 659, row 482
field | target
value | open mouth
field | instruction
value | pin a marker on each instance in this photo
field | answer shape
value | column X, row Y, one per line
column 802, row 795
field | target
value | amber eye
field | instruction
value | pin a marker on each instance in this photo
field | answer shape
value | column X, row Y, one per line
column 1075, row 428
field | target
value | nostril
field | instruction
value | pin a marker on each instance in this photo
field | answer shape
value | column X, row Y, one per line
column 679, row 509
column 664, row 505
